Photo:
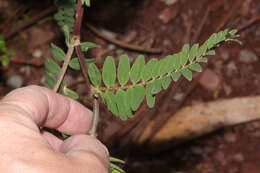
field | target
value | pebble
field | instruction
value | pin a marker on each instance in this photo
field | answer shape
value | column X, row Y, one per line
column 210, row 80
column 178, row 96
column 230, row 137
column 108, row 33
column 247, row 56
column 239, row 157
column 169, row 2
column 231, row 68
column 37, row 53
column 15, row 81
column 225, row 55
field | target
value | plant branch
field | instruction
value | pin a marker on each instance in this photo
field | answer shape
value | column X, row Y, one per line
column 74, row 41
column 78, row 21
column 93, row 130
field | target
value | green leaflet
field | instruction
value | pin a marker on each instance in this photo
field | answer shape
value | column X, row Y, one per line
column 115, row 169
column 202, row 60
column 116, row 160
column 66, row 32
column 123, row 70
column 156, row 69
column 70, row 93
column 166, row 81
column 147, row 70
column 165, row 65
column 87, row 2
column 49, row 80
column 157, row 86
column 202, row 50
column 212, row 41
column 123, row 109
column 186, row 73
column 109, row 72
column 110, row 100
column 150, row 99
column 211, row 52
column 135, row 73
column 94, row 75
column 129, row 96
column 57, row 53
column 195, row 67
column 193, row 52
column 74, row 63
column 138, row 94
column 52, row 67
column 184, row 55
column 175, row 76
column 88, row 45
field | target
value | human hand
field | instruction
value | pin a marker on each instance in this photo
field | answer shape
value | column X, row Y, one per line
column 24, row 148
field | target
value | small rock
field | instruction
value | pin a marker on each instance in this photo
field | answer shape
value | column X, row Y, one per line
column 37, row 53
column 167, row 14
column 225, row 55
column 247, row 56
column 239, row 157
column 111, row 46
column 230, row 137
column 178, row 96
column 210, row 80
column 231, row 68
column 15, row 81
column 169, row 2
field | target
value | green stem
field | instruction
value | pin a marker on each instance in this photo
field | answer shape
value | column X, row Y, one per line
column 93, row 130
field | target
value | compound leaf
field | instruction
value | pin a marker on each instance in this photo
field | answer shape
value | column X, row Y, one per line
column 138, row 94
column 123, row 69
column 109, row 72
column 52, row 67
column 57, row 53
column 135, row 73
column 94, row 75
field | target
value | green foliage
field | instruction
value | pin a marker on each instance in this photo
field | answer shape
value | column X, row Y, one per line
column 53, row 69
column 144, row 80
column 114, row 168
column 5, row 53
column 66, row 10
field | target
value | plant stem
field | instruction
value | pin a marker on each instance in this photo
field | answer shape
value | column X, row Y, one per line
column 74, row 41
column 76, row 32
column 93, row 130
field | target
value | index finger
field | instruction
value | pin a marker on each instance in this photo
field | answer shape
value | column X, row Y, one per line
column 49, row 109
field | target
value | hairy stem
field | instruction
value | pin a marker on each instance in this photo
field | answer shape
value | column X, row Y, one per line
column 74, row 41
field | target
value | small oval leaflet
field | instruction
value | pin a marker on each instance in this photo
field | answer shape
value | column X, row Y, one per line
column 135, row 73
column 109, row 72
column 52, row 67
column 138, row 94
column 123, row 70
column 94, row 75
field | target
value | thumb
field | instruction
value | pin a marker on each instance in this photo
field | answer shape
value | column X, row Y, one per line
column 86, row 151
